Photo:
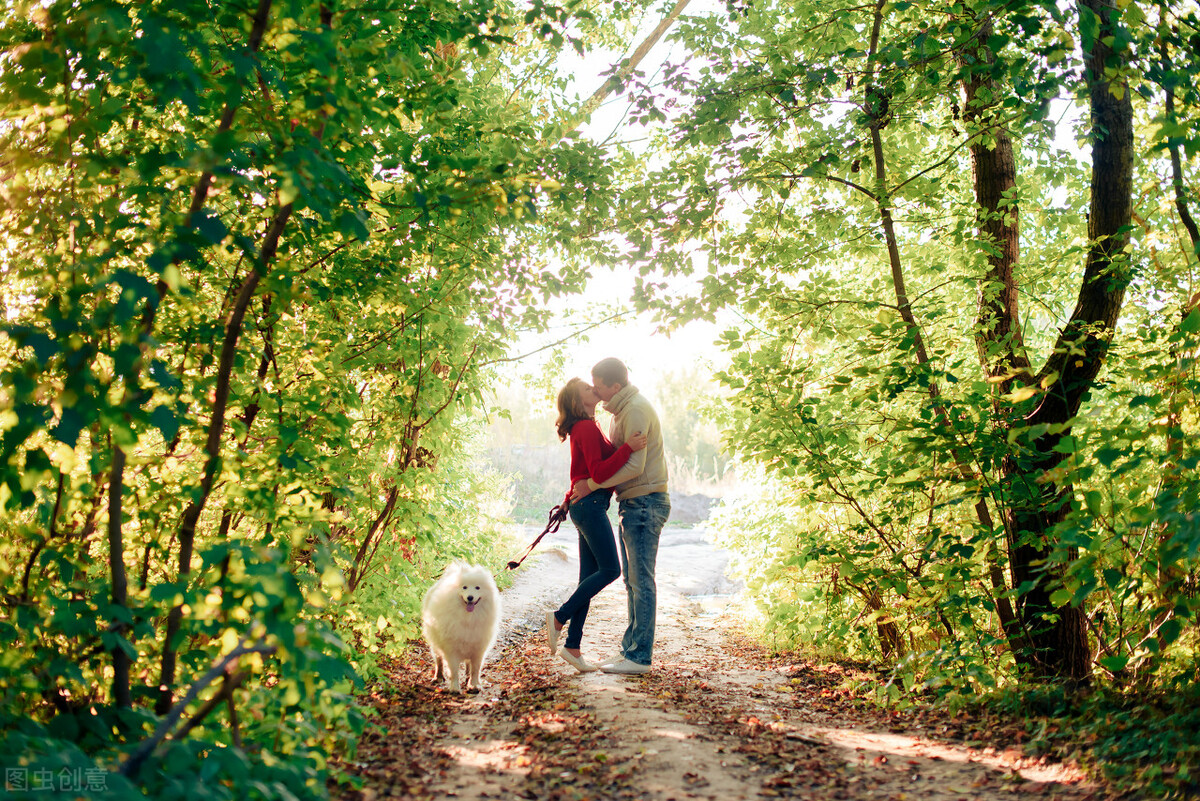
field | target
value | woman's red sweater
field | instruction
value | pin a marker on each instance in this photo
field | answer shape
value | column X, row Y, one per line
column 593, row 456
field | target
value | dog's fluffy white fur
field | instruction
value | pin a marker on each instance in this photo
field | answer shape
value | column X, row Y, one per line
column 460, row 616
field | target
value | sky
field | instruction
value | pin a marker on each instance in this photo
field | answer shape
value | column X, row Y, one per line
column 634, row 338
column 563, row 352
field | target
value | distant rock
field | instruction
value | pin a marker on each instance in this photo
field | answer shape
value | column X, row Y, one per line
column 689, row 509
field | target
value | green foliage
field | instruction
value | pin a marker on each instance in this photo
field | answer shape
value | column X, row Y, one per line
column 798, row 601
column 1134, row 522
column 257, row 260
column 260, row 263
column 1143, row 741
column 913, row 506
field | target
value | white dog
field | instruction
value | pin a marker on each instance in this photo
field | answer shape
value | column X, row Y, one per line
column 460, row 616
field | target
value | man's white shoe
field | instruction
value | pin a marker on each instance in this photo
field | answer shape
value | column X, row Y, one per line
column 577, row 662
column 552, row 632
column 625, row 667
column 611, row 659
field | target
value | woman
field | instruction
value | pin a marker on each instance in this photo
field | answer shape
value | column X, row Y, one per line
column 594, row 457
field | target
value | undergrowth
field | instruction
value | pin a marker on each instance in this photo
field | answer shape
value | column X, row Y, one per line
column 1139, row 740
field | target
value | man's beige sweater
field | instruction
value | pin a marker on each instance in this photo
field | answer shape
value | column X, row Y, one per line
column 646, row 470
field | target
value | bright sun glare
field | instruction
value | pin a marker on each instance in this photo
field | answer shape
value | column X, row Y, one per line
column 634, row 338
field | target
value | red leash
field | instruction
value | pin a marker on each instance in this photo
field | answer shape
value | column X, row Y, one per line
column 557, row 515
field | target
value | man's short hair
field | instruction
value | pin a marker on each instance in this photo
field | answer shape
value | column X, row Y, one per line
column 611, row 371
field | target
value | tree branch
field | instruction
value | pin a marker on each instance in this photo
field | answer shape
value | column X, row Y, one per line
column 556, row 343
column 627, row 67
column 219, row 668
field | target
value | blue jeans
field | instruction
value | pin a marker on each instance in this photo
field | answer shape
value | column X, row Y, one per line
column 641, row 521
column 598, row 565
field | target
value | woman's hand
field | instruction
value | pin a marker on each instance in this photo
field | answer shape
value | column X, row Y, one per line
column 637, row 442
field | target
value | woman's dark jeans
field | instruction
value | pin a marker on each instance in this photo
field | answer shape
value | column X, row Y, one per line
column 598, row 563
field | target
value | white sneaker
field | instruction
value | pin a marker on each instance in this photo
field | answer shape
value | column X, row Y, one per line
column 577, row 662
column 626, row 667
column 551, row 632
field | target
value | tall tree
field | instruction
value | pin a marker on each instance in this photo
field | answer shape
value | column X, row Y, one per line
column 819, row 159
column 1058, row 638
column 256, row 259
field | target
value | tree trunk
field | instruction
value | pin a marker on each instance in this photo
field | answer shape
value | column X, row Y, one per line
column 121, row 693
column 993, row 166
column 890, row 641
column 1058, row 636
column 998, row 336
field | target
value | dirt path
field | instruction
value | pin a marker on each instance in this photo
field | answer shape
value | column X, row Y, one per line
column 714, row 720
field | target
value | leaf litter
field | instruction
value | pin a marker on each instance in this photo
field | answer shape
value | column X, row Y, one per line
column 717, row 718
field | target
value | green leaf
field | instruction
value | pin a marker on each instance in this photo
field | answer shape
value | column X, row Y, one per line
column 1170, row 630
column 211, row 227
column 1089, row 28
column 352, row 225
column 44, row 348
column 1112, row 578
column 1061, row 597
column 1107, row 455
column 163, row 418
column 69, row 426
column 168, row 593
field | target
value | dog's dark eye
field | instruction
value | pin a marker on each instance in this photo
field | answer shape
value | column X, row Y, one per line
column 476, row 588
column 464, row 586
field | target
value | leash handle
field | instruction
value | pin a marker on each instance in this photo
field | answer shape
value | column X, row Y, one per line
column 557, row 515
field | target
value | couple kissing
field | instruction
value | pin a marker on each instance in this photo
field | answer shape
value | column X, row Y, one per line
column 629, row 462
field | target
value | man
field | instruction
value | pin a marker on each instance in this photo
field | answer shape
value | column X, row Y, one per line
column 643, row 507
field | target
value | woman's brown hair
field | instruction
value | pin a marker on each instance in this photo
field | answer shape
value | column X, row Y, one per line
column 570, row 408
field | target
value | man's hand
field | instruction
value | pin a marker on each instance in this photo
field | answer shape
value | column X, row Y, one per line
column 581, row 490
